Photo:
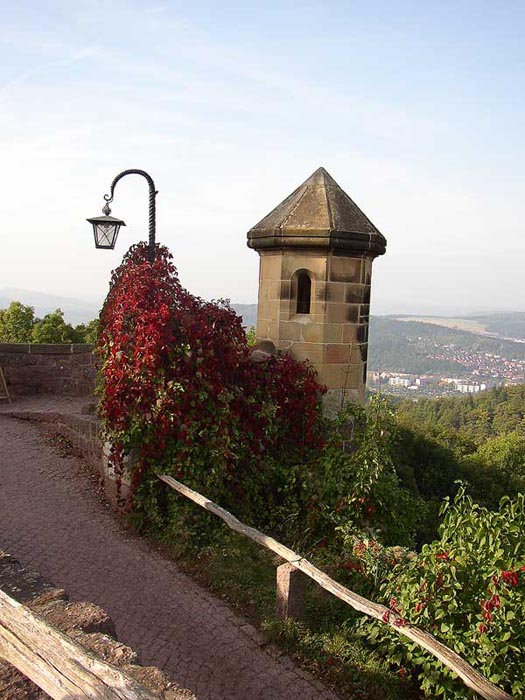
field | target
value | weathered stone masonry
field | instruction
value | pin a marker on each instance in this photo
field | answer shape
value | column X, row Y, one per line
column 65, row 370
column 50, row 370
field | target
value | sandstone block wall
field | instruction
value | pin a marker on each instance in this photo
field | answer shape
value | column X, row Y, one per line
column 67, row 370
column 334, row 335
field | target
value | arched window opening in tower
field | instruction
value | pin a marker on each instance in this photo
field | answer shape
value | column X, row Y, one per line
column 304, row 293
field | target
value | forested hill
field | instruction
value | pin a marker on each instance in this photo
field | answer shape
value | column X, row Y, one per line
column 476, row 418
column 414, row 347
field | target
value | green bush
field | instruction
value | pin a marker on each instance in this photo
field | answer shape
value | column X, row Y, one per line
column 357, row 491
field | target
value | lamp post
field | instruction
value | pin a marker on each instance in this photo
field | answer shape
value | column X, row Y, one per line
column 106, row 228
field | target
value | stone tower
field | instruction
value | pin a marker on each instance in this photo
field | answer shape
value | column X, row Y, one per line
column 316, row 250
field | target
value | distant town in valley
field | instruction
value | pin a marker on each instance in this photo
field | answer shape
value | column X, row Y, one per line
column 409, row 357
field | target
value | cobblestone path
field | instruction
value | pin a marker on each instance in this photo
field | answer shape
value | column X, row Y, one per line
column 51, row 520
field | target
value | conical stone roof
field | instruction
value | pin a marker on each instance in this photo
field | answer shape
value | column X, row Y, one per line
column 318, row 214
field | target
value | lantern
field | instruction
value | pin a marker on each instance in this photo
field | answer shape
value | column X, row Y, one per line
column 105, row 229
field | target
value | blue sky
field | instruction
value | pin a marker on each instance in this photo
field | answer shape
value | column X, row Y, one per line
column 415, row 108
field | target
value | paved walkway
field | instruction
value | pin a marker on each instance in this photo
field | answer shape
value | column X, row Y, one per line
column 51, row 520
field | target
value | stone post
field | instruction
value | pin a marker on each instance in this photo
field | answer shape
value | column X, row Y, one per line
column 290, row 591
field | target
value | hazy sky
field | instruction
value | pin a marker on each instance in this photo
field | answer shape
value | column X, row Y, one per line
column 417, row 109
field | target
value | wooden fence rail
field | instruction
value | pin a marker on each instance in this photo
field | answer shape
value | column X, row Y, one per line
column 472, row 678
column 62, row 668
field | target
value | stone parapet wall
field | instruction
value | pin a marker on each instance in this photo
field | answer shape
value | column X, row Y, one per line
column 66, row 370
column 84, row 432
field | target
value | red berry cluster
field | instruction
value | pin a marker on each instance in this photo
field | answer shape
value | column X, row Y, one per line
column 510, row 578
column 487, row 606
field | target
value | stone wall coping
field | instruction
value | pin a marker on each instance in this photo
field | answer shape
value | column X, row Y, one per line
column 46, row 348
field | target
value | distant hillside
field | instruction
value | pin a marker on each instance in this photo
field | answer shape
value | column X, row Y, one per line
column 404, row 346
column 81, row 311
column 394, row 345
column 508, row 325
column 248, row 313
column 75, row 310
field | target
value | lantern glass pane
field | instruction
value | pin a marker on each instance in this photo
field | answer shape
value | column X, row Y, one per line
column 106, row 235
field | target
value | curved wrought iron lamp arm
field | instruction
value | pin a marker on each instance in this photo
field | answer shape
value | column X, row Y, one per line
column 152, row 208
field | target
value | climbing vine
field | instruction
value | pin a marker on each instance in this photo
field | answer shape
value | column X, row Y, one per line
column 180, row 391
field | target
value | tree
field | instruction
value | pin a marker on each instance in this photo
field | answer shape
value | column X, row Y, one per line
column 19, row 325
column 498, row 468
column 86, row 332
column 505, row 452
column 53, row 329
column 91, row 334
column 16, row 323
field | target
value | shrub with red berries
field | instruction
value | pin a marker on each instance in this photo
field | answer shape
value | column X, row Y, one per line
column 467, row 589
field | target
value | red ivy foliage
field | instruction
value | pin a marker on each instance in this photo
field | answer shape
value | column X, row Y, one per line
column 179, row 387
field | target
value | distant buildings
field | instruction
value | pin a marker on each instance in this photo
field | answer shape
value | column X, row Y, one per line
column 470, row 388
column 476, row 372
column 400, row 381
column 430, row 384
